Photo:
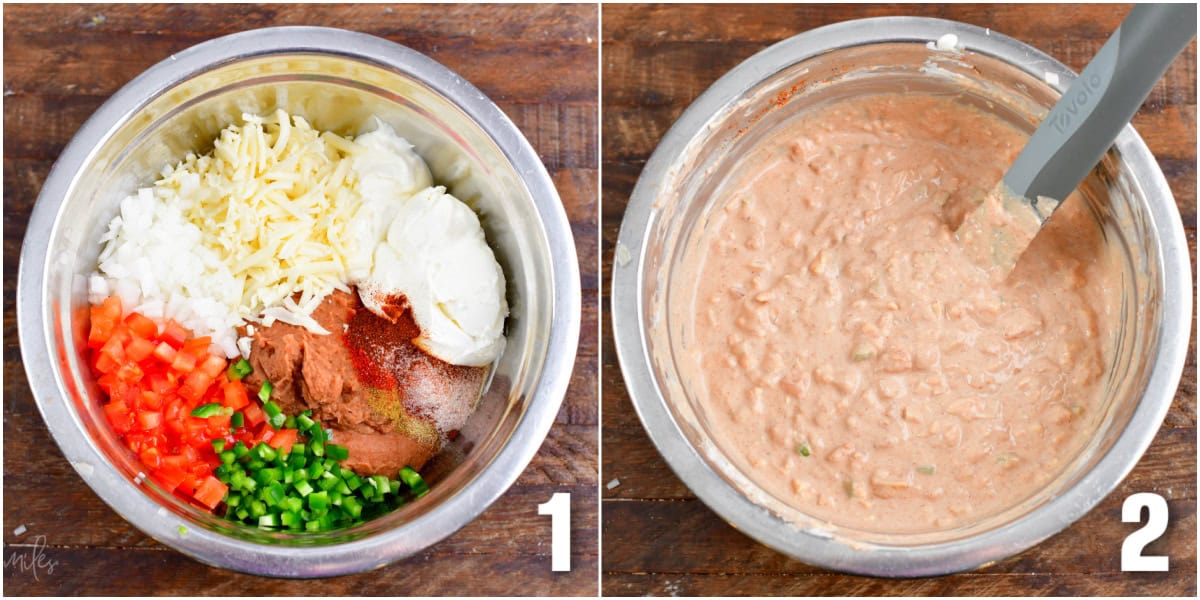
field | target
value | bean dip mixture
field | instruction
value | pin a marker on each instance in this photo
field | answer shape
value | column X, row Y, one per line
column 847, row 354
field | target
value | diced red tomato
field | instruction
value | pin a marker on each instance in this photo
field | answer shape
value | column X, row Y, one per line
column 159, row 383
column 169, row 477
column 150, row 400
column 254, row 415
column 105, row 364
column 188, row 485
column 213, row 366
column 165, row 352
column 234, row 395
column 197, row 345
column 104, row 319
column 118, row 416
column 121, row 333
column 106, row 382
column 142, row 326
column 137, row 440
column 202, row 468
column 220, row 422
column 148, row 419
column 211, row 492
column 173, row 333
column 154, row 380
column 194, row 386
column 176, row 411
column 114, row 350
column 129, row 373
column 176, row 461
column 101, row 327
column 283, row 439
column 184, row 362
column 139, row 348
column 151, row 457
column 189, row 452
column 112, row 307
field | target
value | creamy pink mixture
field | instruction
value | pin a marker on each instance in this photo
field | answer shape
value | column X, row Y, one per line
column 851, row 358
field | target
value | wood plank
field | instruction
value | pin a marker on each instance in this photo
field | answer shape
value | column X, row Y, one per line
column 81, row 56
column 1181, row 177
column 581, row 405
column 575, row 24
column 567, row 457
column 33, row 134
column 1041, row 26
column 648, row 24
column 93, row 66
column 1183, row 408
column 564, row 133
column 682, row 532
column 578, row 189
column 968, row 584
column 99, row 571
column 1169, row 132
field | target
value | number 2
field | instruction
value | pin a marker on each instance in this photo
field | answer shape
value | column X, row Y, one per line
column 559, row 509
column 1131, row 550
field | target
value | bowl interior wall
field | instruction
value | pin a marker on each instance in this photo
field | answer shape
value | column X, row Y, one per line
column 338, row 94
column 1013, row 95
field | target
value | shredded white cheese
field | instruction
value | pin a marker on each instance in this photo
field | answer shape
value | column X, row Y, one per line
column 274, row 208
column 254, row 231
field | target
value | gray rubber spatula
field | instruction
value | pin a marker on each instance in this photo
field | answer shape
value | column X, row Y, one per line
column 1075, row 135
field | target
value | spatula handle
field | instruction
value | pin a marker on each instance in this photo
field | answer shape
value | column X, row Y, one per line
column 1083, row 124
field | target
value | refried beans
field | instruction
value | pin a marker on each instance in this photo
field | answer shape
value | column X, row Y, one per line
column 850, row 358
column 388, row 402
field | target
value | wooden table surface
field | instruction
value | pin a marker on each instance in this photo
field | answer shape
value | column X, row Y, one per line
column 537, row 62
column 657, row 537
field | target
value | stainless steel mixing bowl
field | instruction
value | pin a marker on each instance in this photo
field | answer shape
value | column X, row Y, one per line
column 337, row 80
column 1005, row 77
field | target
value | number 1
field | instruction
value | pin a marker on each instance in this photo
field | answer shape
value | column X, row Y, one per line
column 559, row 509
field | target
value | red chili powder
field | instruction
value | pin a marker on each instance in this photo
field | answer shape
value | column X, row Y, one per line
column 371, row 340
column 385, row 358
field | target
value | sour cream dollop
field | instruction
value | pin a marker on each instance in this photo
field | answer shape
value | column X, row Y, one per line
column 420, row 242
